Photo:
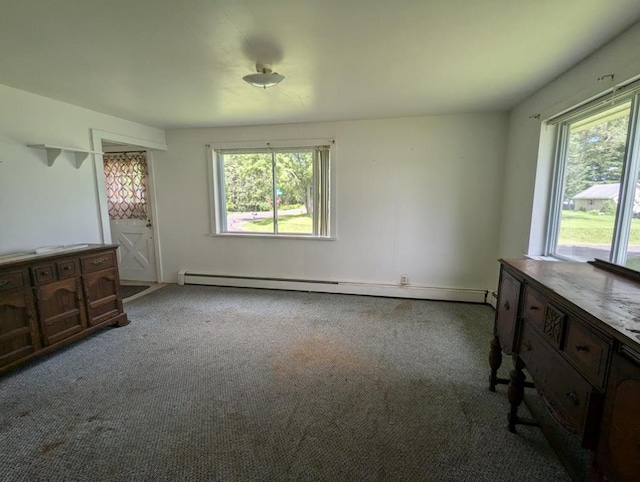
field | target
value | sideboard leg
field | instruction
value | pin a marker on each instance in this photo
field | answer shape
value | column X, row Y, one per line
column 495, row 360
column 121, row 320
column 515, row 393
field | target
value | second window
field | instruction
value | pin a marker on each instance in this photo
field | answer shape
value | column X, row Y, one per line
column 271, row 191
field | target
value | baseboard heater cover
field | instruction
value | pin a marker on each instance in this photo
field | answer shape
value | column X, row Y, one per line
column 186, row 277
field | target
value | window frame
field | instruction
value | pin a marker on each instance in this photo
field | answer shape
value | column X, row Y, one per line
column 217, row 199
column 629, row 177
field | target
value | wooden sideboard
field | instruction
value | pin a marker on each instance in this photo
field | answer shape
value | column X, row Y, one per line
column 575, row 327
column 50, row 300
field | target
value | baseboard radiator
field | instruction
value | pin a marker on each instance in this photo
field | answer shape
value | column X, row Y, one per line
column 186, row 277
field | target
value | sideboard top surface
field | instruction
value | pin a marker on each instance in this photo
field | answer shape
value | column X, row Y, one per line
column 28, row 258
column 611, row 298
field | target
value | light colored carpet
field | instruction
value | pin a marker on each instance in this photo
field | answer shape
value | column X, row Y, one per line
column 234, row 384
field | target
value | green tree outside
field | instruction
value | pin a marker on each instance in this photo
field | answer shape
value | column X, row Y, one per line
column 595, row 152
column 248, row 181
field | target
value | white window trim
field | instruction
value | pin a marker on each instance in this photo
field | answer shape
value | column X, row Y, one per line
column 215, row 208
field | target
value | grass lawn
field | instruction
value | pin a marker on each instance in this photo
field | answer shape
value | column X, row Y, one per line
column 295, row 224
column 633, row 263
column 578, row 227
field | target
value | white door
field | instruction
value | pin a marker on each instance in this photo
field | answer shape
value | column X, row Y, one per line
column 136, row 255
column 126, row 176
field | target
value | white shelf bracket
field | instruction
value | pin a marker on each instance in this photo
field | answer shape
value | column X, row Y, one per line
column 80, row 157
column 52, row 155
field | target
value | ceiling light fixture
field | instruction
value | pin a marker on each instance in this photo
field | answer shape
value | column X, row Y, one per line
column 264, row 77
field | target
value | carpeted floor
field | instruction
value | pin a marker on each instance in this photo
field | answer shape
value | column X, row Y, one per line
column 233, row 384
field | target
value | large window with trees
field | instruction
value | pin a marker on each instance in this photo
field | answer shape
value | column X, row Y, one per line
column 277, row 191
column 595, row 208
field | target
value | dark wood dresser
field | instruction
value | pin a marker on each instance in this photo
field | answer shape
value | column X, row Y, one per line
column 575, row 327
column 50, row 300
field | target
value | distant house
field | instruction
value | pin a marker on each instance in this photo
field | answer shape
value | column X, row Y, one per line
column 595, row 197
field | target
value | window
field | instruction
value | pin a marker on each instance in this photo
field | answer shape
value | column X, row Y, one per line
column 273, row 191
column 595, row 207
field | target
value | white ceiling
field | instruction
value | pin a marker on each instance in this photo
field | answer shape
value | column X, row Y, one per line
column 179, row 63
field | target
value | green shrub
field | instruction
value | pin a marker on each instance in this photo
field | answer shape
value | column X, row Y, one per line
column 609, row 207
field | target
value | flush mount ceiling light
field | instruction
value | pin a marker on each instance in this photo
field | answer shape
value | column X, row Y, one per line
column 264, row 77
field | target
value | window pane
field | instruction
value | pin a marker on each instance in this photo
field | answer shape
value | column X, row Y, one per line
column 295, row 192
column 248, row 187
column 595, row 155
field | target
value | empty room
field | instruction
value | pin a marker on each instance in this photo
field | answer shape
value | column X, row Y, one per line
column 319, row 240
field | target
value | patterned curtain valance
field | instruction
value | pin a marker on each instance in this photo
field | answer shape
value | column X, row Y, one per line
column 126, row 178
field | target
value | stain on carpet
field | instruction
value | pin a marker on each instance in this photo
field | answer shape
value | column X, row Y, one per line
column 405, row 305
column 49, row 447
column 321, row 353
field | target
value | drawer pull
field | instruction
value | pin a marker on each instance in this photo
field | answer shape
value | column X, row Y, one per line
column 99, row 261
column 44, row 273
column 66, row 268
column 507, row 306
column 582, row 348
column 4, row 283
column 527, row 345
column 534, row 308
column 573, row 398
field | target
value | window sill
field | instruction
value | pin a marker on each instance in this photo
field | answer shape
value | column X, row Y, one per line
column 544, row 258
column 273, row 236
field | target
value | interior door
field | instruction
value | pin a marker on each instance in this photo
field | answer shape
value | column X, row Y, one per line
column 126, row 176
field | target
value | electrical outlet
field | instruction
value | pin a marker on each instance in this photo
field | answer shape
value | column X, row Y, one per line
column 404, row 279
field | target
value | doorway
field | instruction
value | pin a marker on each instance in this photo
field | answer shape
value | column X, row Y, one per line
column 139, row 254
column 126, row 175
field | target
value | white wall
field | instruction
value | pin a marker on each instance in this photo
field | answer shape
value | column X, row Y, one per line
column 419, row 196
column 41, row 205
column 530, row 147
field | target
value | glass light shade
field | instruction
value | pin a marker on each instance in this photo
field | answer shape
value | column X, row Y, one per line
column 266, row 79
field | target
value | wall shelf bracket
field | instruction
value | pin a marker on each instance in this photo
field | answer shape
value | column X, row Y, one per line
column 53, row 152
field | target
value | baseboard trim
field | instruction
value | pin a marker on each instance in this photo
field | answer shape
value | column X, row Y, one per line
column 367, row 289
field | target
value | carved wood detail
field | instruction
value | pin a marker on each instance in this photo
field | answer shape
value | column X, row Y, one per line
column 553, row 324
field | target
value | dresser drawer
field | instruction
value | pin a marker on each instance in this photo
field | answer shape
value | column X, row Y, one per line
column 533, row 309
column 588, row 351
column 545, row 317
column 567, row 393
column 44, row 273
column 12, row 279
column 68, row 268
column 97, row 262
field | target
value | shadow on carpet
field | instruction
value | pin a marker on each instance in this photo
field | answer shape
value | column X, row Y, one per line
column 130, row 290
